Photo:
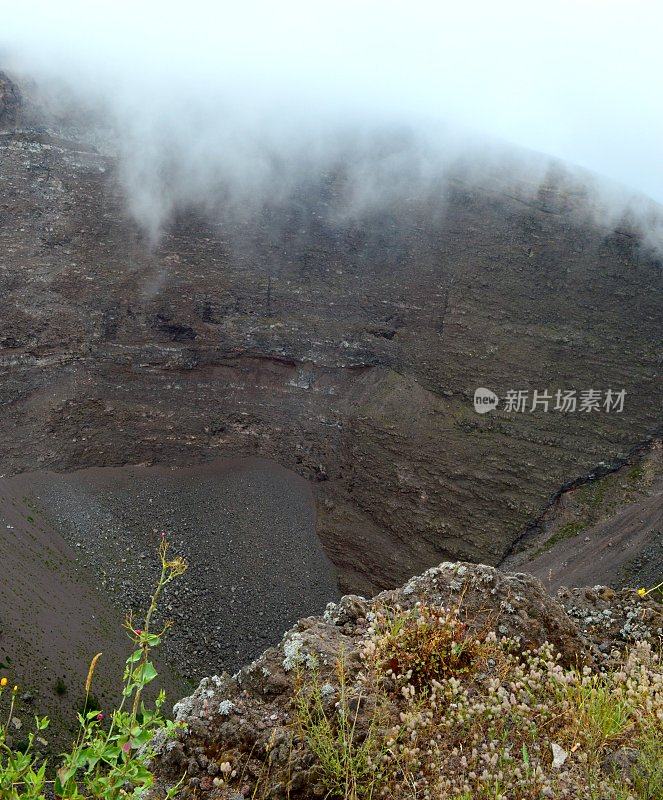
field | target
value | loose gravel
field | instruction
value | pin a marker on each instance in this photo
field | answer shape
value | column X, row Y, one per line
column 247, row 528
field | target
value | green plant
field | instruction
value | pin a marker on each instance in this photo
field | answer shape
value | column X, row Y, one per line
column 647, row 772
column 22, row 772
column 109, row 759
column 349, row 758
column 598, row 713
column 465, row 714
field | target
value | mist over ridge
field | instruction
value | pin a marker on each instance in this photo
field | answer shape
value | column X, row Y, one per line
column 212, row 103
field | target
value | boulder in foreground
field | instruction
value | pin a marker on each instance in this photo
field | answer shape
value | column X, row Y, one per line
column 466, row 682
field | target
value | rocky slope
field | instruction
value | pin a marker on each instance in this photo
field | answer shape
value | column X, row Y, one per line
column 54, row 620
column 78, row 553
column 605, row 528
column 344, row 346
column 244, row 735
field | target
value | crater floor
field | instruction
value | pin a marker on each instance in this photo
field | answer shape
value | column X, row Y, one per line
column 247, row 527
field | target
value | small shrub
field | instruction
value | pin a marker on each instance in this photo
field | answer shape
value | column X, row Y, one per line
column 425, row 644
column 349, row 757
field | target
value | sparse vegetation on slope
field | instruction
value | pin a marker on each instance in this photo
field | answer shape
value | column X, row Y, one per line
column 467, row 683
column 110, row 757
column 459, row 715
column 611, row 523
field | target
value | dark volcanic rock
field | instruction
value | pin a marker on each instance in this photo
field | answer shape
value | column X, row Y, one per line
column 344, row 346
column 10, row 101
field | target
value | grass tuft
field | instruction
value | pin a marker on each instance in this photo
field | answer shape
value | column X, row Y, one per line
column 440, row 711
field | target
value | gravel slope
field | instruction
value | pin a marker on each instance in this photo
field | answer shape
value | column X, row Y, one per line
column 606, row 531
column 247, row 528
column 53, row 620
column 625, row 550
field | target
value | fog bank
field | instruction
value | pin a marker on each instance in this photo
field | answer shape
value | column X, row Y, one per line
column 207, row 96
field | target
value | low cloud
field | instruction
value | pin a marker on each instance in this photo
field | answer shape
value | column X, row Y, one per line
column 207, row 98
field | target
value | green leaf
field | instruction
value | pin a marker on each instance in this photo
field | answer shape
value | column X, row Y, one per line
column 140, row 739
column 142, row 775
column 146, row 673
column 135, row 656
column 111, row 754
column 525, row 756
column 62, row 778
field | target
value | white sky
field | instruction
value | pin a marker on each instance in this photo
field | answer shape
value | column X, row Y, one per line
column 577, row 79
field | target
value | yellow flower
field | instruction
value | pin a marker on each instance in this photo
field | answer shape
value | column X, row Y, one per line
column 3, row 682
column 15, row 689
column 645, row 592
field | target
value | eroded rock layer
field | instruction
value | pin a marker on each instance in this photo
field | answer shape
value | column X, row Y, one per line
column 346, row 347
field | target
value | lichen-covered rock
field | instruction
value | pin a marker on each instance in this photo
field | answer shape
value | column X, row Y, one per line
column 607, row 619
column 246, row 721
column 515, row 605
